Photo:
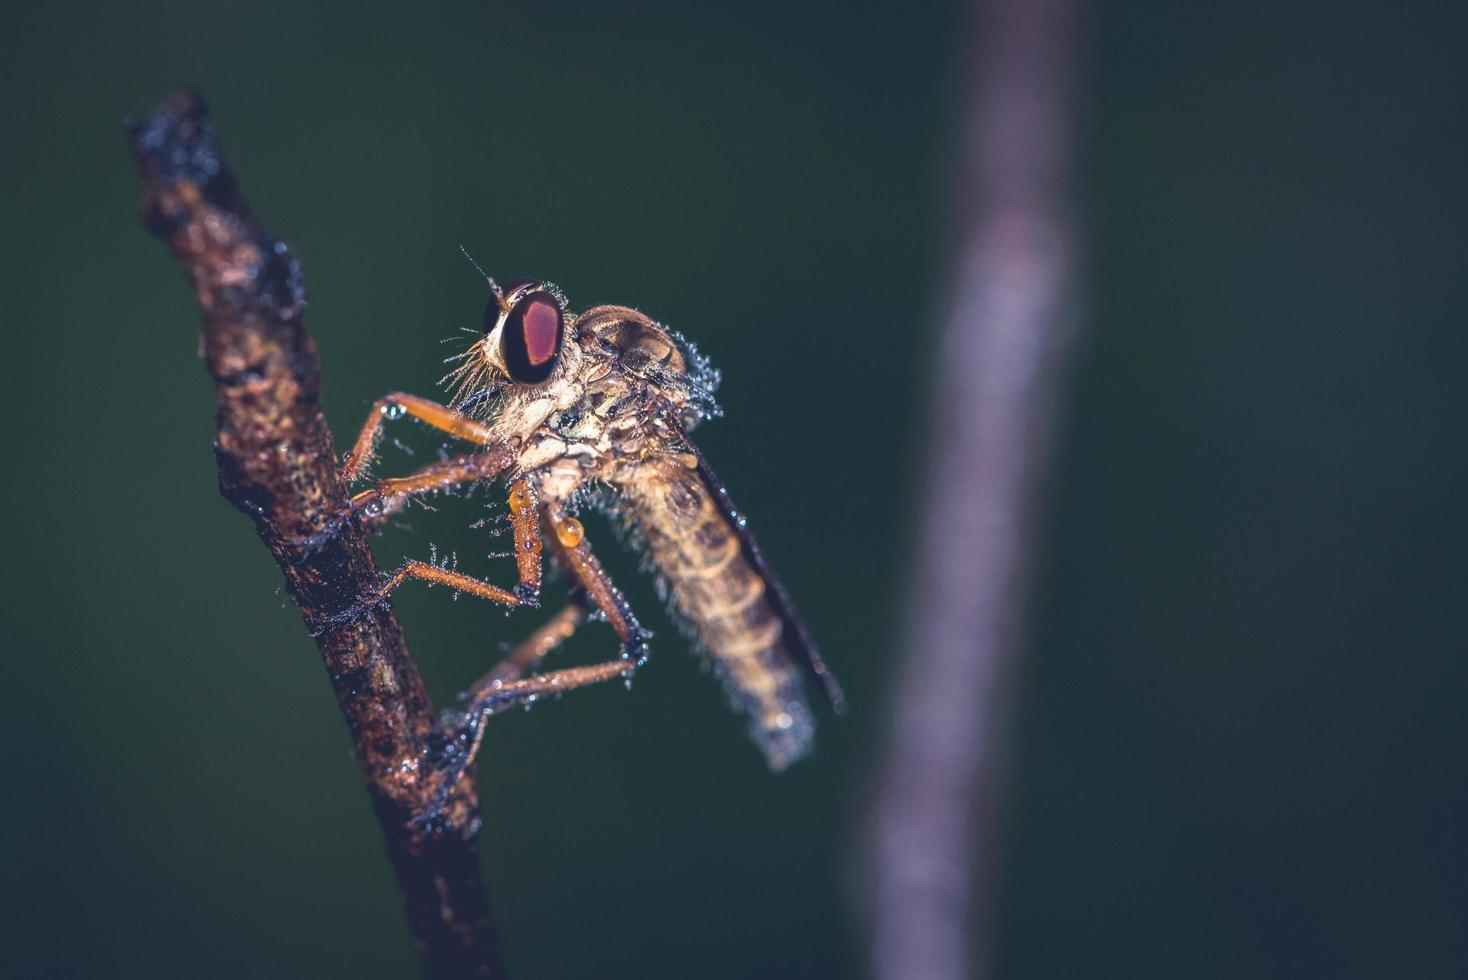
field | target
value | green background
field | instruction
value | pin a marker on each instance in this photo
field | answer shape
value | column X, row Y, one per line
column 1241, row 741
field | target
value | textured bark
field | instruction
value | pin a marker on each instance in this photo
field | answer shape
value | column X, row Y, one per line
column 278, row 465
column 1005, row 330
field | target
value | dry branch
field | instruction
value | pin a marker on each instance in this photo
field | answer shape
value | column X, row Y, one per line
column 277, row 464
column 1004, row 332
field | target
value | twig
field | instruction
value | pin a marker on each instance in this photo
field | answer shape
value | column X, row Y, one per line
column 1005, row 330
column 277, row 464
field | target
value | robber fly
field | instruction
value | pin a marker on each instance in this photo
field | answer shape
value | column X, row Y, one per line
column 594, row 408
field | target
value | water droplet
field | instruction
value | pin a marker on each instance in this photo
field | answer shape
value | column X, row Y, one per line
column 570, row 532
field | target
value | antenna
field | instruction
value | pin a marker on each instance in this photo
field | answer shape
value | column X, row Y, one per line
column 487, row 278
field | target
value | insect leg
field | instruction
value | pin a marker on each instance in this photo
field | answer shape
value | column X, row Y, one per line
column 526, row 529
column 531, row 651
column 592, row 585
column 432, row 413
column 581, row 566
column 552, row 682
column 470, row 735
column 459, row 582
column 390, row 495
column 527, row 561
column 499, row 689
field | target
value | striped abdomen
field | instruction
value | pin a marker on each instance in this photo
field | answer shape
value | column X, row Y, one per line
column 718, row 583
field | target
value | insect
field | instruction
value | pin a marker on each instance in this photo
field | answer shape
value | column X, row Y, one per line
column 594, row 409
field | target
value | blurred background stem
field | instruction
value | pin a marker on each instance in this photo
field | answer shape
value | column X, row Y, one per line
column 1006, row 325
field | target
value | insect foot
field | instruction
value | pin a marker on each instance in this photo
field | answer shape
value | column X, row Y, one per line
column 448, row 755
column 636, row 649
column 306, row 548
column 363, row 605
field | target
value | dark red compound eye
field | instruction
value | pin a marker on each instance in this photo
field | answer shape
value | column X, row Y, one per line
column 533, row 335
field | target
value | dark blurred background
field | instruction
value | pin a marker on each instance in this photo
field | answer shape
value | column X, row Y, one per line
column 1241, row 742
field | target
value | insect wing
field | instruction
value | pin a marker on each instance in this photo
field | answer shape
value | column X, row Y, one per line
column 801, row 646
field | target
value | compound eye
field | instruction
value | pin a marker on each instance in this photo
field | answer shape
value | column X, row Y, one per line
column 533, row 335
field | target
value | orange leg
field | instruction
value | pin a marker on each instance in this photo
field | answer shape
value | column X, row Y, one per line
column 535, row 647
column 590, row 584
column 459, row 582
column 398, row 403
column 391, row 495
column 575, row 556
column 525, row 526
column 501, row 694
column 511, row 693
column 527, row 561
column 501, row 688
